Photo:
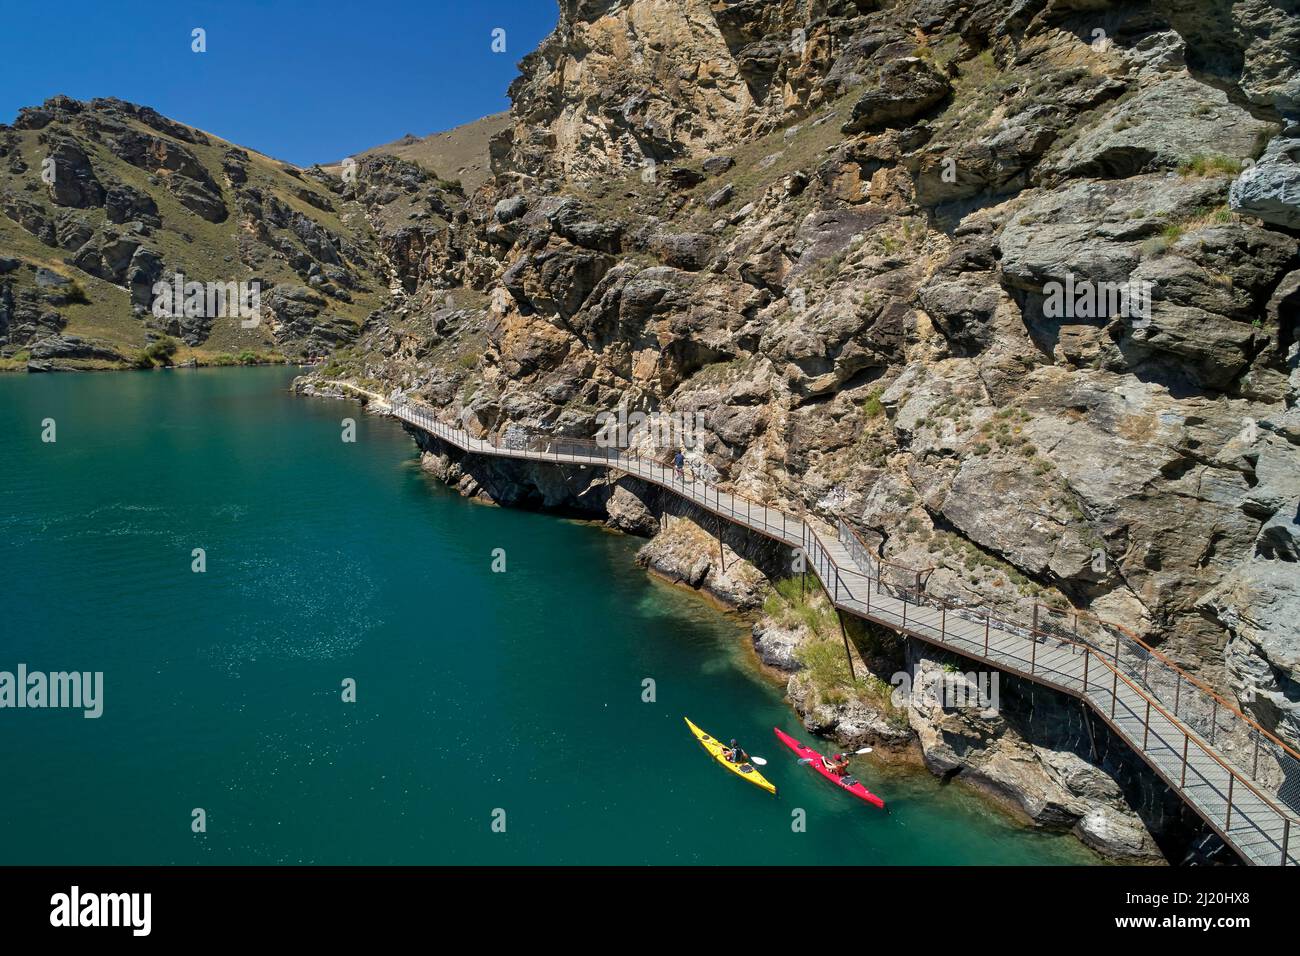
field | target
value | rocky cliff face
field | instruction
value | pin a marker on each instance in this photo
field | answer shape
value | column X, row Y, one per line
column 1011, row 288
column 100, row 201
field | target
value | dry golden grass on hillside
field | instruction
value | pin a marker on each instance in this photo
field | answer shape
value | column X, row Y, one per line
column 455, row 154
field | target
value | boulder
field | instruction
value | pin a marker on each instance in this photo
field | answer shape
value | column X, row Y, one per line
column 70, row 347
column 144, row 270
column 688, row 250
column 1270, row 189
column 686, row 553
column 717, row 165
column 557, row 279
column 721, row 197
column 123, row 203
column 74, row 182
column 30, row 216
column 574, row 223
column 107, row 257
column 683, row 177
column 776, row 645
column 627, row 510
column 71, row 230
column 905, row 89
column 204, row 199
column 510, row 209
column 1161, row 127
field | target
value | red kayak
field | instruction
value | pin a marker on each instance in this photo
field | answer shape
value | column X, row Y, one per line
column 847, row 784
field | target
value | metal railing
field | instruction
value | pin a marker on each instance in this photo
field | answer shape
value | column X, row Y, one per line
column 1080, row 663
column 1275, row 827
column 1254, row 751
column 770, row 521
column 870, row 561
column 1073, row 665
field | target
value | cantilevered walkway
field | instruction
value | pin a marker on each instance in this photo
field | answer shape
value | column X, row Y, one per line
column 1242, row 780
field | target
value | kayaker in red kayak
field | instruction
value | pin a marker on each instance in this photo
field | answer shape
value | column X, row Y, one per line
column 834, row 769
column 837, row 764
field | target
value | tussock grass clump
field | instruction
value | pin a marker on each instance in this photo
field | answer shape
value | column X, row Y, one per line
column 247, row 357
column 1209, row 164
column 790, row 608
column 822, row 655
column 156, row 353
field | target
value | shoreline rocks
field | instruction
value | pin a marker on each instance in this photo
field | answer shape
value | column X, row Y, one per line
column 1027, row 765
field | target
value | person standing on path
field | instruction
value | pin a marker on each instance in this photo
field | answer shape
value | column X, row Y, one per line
column 679, row 460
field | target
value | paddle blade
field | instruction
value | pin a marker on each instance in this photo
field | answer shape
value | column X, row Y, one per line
column 804, row 760
column 864, row 750
column 758, row 761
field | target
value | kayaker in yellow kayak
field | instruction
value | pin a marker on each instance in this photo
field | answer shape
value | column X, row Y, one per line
column 735, row 754
column 733, row 758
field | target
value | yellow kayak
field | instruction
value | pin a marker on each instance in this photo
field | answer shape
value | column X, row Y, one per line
column 746, row 771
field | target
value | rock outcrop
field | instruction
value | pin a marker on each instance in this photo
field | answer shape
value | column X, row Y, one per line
column 115, row 198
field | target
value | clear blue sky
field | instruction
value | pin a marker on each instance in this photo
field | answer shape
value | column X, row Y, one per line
column 301, row 80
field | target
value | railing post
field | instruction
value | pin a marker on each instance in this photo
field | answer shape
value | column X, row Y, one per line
column 986, row 633
column 1033, row 650
column 905, row 610
column 1177, row 689
column 1254, row 767
column 1214, row 720
column 1232, row 778
column 847, row 655
column 1183, row 783
column 943, row 623
column 1087, row 658
column 1286, row 837
column 1114, row 692
column 1146, row 726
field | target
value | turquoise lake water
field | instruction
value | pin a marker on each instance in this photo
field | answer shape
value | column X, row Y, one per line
column 476, row 691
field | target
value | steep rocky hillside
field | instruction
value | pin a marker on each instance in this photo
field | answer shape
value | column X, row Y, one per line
column 101, row 200
column 839, row 231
